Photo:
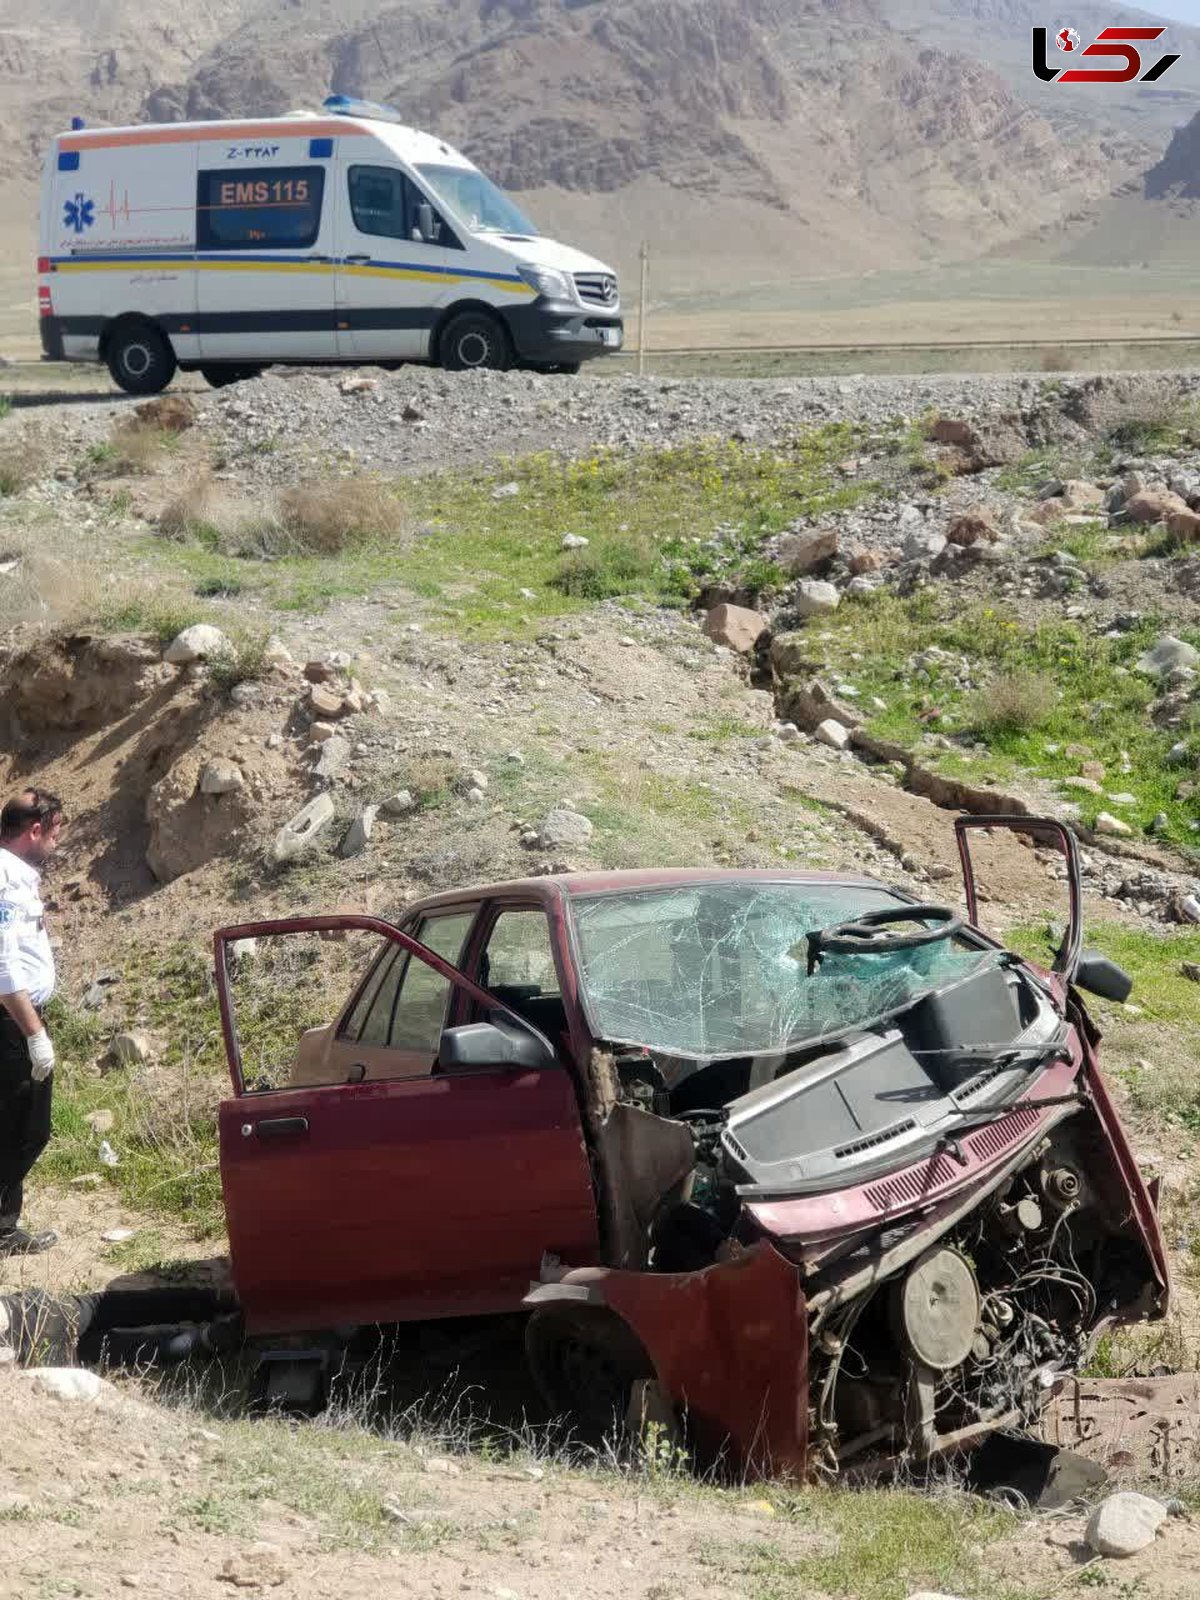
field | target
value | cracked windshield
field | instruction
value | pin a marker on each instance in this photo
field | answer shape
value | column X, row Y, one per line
column 723, row 969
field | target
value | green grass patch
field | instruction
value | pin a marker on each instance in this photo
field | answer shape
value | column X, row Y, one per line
column 871, row 1545
column 659, row 525
column 1167, row 1087
column 1095, row 697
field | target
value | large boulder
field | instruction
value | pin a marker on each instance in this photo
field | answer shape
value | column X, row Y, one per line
column 200, row 642
column 1154, row 505
column 815, row 599
column 806, row 550
column 736, row 627
column 1124, row 1523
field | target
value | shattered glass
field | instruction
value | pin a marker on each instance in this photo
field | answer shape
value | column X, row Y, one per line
column 721, row 969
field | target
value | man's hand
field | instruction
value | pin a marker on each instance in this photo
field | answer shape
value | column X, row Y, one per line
column 41, row 1055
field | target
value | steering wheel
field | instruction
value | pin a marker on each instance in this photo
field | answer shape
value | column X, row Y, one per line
column 869, row 934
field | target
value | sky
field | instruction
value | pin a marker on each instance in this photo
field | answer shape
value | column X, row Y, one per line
column 1181, row 10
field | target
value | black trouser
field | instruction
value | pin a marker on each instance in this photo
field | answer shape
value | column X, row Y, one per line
column 24, row 1120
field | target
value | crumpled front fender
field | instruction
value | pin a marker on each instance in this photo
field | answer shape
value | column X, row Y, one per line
column 729, row 1346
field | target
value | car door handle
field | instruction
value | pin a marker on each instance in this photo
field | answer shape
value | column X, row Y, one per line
column 282, row 1128
column 359, row 261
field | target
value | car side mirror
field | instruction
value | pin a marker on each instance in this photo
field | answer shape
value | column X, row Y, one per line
column 478, row 1046
column 1098, row 975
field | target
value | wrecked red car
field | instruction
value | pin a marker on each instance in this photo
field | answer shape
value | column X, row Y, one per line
column 827, row 1172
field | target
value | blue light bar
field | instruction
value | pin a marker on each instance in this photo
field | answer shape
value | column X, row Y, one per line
column 347, row 105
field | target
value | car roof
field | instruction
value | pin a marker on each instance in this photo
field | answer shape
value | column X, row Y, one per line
column 571, row 885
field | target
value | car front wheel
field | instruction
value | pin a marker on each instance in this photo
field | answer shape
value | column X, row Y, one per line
column 474, row 340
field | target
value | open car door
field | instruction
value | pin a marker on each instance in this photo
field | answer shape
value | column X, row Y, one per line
column 383, row 1199
column 1045, row 833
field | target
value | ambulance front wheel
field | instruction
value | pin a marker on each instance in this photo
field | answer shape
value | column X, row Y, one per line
column 475, row 340
column 139, row 357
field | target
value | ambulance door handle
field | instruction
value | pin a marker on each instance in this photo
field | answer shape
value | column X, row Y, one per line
column 321, row 258
column 358, row 261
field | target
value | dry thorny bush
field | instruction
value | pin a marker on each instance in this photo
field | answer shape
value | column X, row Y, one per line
column 323, row 517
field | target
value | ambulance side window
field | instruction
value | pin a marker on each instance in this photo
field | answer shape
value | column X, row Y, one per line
column 382, row 202
column 271, row 208
column 386, row 203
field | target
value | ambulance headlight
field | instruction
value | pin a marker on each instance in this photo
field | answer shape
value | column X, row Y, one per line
column 551, row 285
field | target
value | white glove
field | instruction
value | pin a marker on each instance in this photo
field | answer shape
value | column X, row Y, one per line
column 41, row 1055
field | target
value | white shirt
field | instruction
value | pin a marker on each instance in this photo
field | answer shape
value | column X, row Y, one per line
column 26, row 959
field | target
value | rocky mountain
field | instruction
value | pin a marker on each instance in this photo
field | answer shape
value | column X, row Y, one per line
column 753, row 142
column 766, row 138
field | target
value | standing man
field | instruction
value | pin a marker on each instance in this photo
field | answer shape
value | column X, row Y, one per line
column 29, row 829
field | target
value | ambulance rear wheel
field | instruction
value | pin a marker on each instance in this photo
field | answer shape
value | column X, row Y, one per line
column 475, row 340
column 140, row 358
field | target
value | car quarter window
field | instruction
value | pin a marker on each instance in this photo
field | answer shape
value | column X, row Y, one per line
column 519, row 954
column 517, row 966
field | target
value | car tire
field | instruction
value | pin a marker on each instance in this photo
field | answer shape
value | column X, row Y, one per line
column 585, row 1363
column 140, row 358
column 221, row 377
column 475, row 340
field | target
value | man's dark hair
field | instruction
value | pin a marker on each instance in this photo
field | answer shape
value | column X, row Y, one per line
column 30, row 806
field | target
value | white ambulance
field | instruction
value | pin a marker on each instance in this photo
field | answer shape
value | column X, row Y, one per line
column 342, row 236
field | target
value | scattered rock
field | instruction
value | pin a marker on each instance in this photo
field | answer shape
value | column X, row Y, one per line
column 1107, row 823
column 1153, row 505
column 736, row 627
column 815, row 598
column 261, row 1566
column 69, row 1383
column 1184, row 525
column 332, row 756
column 358, row 383
column 295, row 837
column 399, row 804
column 100, row 1121
column 128, row 1050
column 117, row 1236
column 561, row 829
column 325, row 704
column 13, row 1504
column 801, row 552
column 277, row 654
column 923, row 544
column 320, row 731
column 1124, row 1523
column 1191, row 969
column 833, row 734
column 358, row 835
column 1166, row 656
column 1084, row 785
column 220, row 777
column 1078, row 495
column 442, row 1467
column 574, row 541
column 861, row 561
column 200, row 642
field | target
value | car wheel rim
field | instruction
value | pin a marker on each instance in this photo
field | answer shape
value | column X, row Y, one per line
column 137, row 360
column 473, row 349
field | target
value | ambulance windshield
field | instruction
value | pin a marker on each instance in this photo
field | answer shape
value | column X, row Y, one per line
column 477, row 201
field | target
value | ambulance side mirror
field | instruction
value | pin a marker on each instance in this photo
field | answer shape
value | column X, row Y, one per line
column 427, row 228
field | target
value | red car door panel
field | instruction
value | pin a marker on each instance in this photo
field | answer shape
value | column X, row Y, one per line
column 404, row 1198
